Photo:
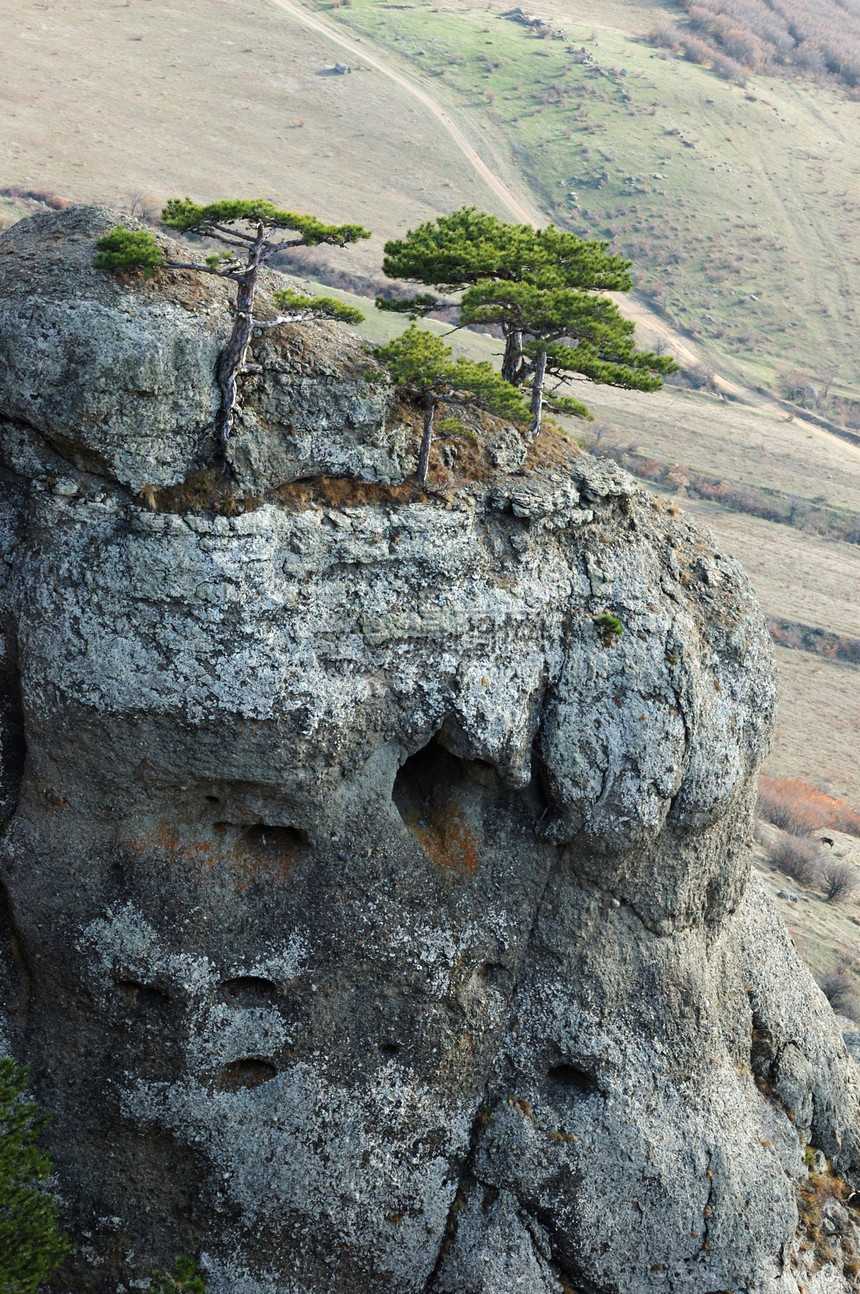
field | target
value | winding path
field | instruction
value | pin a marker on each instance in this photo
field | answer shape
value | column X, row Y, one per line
column 634, row 308
column 519, row 210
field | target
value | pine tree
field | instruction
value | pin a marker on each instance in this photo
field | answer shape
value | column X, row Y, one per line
column 255, row 231
column 184, row 1279
column 420, row 364
column 31, row 1245
column 541, row 287
column 564, row 331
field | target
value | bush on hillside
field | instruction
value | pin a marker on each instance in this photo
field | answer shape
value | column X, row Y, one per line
column 741, row 36
column 798, row 858
column 840, row 989
column 782, row 811
column 841, row 880
column 794, row 805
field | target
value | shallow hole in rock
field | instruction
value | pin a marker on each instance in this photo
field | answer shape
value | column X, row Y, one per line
column 249, row 1072
column 144, row 995
column 248, row 991
column 390, row 1048
column 495, row 973
column 762, row 1051
column 570, row 1081
column 434, row 795
column 274, row 840
column 213, row 799
column 425, row 779
column 263, row 839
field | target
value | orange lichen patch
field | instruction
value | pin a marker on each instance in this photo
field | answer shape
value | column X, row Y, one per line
column 246, row 856
column 800, row 806
column 449, row 840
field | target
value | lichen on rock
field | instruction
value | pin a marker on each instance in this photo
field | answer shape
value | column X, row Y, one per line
column 378, row 872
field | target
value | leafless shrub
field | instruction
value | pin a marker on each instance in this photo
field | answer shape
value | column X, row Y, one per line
column 143, row 206
column 666, row 36
column 782, row 811
column 840, row 989
column 47, row 197
column 729, row 69
column 701, row 377
column 797, row 857
column 695, row 50
column 602, row 430
column 841, row 880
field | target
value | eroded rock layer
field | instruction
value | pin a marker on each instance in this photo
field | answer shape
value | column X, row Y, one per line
column 378, row 920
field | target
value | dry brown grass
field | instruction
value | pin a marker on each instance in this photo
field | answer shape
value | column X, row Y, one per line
column 813, row 1197
column 209, row 489
column 552, row 448
column 794, row 805
column 344, row 492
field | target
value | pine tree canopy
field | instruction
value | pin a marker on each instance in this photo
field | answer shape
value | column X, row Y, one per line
column 417, row 359
column 220, row 218
column 184, row 1279
column 578, row 331
column 31, row 1246
column 123, row 249
column 420, row 361
column 309, row 305
column 542, row 287
column 454, row 251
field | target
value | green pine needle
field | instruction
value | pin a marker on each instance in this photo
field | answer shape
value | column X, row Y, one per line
column 31, row 1244
column 129, row 249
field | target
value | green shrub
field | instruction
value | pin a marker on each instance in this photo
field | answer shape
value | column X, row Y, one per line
column 454, row 426
column 129, row 249
column 609, row 625
column 31, row 1244
column 187, row 1279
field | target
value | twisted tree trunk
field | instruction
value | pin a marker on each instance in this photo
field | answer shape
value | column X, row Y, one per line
column 511, row 363
column 231, row 361
column 424, row 450
column 537, row 390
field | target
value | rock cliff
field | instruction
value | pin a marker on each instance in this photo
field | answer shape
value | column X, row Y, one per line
column 376, row 919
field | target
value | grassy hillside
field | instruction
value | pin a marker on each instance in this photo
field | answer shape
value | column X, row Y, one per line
column 108, row 102
column 740, row 206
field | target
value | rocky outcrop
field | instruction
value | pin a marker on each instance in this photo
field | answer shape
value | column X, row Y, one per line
column 379, row 918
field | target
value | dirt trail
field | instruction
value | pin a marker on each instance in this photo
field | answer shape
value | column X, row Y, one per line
column 519, row 210
column 522, row 210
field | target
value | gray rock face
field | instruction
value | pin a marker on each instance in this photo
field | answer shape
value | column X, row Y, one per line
column 378, row 920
